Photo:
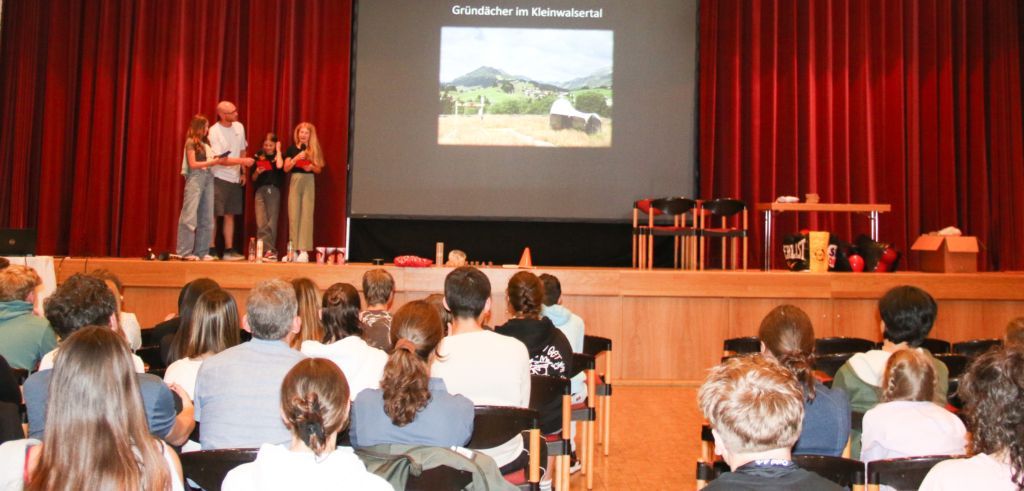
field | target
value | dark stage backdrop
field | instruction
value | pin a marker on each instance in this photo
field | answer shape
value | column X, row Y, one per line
column 95, row 98
column 916, row 103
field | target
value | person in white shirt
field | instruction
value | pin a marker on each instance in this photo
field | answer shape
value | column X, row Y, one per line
column 314, row 407
column 228, row 136
column 907, row 423
column 363, row 364
column 993, row 394
column 485, row 367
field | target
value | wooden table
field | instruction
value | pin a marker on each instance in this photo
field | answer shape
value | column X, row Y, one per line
column 769, row 209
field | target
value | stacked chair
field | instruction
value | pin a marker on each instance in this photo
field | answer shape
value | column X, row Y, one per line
column 692, row 224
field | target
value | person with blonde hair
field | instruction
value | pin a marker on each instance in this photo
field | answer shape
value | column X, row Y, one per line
column 303, row 160
column 97, row 437
column 24, row 336
column 756, row 409
column 315, row 408
column 907, row 423
column 308, row 296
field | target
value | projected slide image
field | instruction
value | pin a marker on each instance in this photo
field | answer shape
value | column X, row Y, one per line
column 525, row 87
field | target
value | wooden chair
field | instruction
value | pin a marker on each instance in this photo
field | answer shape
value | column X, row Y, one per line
column 737, row 346
column 208, row 468
column 845, row 472
column 151, row 357
column 715, row 216
column 545, row 392
column 684, row 236
column 586, row 413
column 936, row 346
column 495, row 425
column 975, row 347
column 905, row 473
column 640, row 252
column 828, row 346
column 828, row 365
column 594, row 346
column 709, row 471
column 957, row 364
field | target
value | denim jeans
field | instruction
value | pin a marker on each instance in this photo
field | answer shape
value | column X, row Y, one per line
column 195, row 225
column 268, row 205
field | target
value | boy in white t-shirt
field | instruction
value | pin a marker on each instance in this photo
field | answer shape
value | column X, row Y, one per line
column 485, row 367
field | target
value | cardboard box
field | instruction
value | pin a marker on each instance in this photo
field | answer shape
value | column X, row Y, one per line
column 942, row 254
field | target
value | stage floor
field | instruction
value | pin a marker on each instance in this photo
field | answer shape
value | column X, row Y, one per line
column 667, row 325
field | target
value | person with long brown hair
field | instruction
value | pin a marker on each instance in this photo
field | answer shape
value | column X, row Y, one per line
column 906, row 423
column 993, row 393
column 303, row 160
column 308, row 296
column 195, row 224
column 787, row 335
column 411, row 407
column 97, row 436
column 314, row 407
column 342, row 341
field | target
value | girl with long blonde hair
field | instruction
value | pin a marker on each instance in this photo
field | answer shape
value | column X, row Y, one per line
column 308, row 296
column 303, row 160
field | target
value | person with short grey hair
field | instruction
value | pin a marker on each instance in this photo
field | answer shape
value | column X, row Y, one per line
column 238, row 390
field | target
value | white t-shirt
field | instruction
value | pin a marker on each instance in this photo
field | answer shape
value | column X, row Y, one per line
column 978, row 472
column 911, row 429
column 47, row 362
column 183, row 372
column 276, row 467
column 491, row 370
column 132, row 330
column 362, row 364
column 227, row 139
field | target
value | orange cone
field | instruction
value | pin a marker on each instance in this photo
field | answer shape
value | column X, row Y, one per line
column 526, row 261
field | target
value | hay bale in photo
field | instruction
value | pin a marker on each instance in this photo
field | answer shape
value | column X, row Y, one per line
column 563, row 116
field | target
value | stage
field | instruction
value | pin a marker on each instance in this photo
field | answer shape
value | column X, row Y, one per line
column 667, row 325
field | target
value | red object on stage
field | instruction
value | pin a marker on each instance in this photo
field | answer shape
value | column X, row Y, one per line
column 413, row 262
column 889, row 256
column 882, row 267
column 856, row 263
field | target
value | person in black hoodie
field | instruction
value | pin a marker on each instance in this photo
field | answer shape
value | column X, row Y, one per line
column 550, row 351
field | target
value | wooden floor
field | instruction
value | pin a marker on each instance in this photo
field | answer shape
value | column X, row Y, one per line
column 655, row 441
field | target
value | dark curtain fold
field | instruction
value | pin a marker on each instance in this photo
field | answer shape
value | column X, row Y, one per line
column 916, row 103
column 96, row 97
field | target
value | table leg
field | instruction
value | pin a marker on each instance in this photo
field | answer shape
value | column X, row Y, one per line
column 767, row 260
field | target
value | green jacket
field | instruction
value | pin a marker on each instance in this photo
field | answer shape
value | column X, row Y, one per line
column 24, row 337
column 864, row 395
column 396, row 463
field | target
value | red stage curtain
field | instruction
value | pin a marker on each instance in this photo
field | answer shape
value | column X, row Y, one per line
column 96, row 97
column 916, row 103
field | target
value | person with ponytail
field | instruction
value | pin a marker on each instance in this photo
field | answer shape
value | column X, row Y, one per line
column 314, row 407
column 342, row 342
column 787, row 336
column 411, row 407
column 97, row 436
column 549, row 349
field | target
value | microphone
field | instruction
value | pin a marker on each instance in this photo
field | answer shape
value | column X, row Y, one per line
column 302, row 147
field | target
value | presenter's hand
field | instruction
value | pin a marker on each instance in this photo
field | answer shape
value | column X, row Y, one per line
column 247, row 161
column 300, row 156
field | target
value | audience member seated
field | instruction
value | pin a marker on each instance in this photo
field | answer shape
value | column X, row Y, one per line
column 411, row 407
column 163, row 333
column 214, row 328
column 362, row 364
column 24, row 336
column 906, row 423
column 314, row 406
column 237, row 389
column 549, row 350
column 570, row 324
column 1015, row 333
column 83, row 301
column 379, row 288
column 9, row 389
column 907, row 315
column 436, row 300
column 308, row 296
column 485, row 367
column 993, row 391
column 129, row 324
column 98, row 437
column 755, row 407
column 787, row 336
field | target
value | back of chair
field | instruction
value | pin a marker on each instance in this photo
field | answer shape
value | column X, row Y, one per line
column 905, row 473
column 20, row 374
column 494, row 425
column 956, row 364
column 936, row 346
column 844, row 472
column 673, row 206
column 723, row 207
column 151, row 357
column 952, row 394
column 827, row 346
column 747, row 344
column 208, row 468
column 595, row 345
column 545, row 390
column 830, row 364
column 582, row 362
column 975, row 347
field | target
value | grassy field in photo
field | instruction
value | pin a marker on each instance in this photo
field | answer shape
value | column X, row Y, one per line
column 528, row 130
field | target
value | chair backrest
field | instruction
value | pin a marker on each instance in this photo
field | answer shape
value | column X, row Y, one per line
column 827, row 346
column 494, row 425
column 830, row 364
column 581, row 362
column 905, row 473
column 673, row 206
column 644, row 205
column 975, row 347
column 936, row 346
column 747, row 344
column 844, row 472
column 208, row 468
column 723, row 207
column 440, row 477
column 595, row 345
column 953, row 393
column 956, row 364
column 151, row 357
column 545, row 390
column 20, row 374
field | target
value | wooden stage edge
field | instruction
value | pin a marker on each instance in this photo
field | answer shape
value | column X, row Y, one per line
column 667, row 325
